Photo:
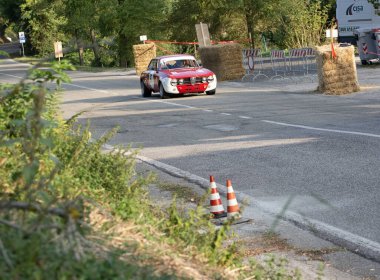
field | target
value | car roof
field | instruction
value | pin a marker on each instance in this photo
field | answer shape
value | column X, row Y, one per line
column 176, row 56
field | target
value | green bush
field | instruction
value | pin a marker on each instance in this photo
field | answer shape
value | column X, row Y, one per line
column 88, row 57
column 50, row 175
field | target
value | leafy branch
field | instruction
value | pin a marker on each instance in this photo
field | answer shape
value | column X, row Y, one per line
column 376, row 5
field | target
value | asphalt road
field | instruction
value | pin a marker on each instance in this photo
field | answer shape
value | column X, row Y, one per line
column 275, row 140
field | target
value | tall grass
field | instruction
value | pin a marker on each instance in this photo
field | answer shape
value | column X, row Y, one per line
column 70, row 211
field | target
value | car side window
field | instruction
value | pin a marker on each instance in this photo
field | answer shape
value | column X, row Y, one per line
column 163, row 66
column 152, row 65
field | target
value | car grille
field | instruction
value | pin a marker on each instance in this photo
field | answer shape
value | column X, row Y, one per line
column 197, row 80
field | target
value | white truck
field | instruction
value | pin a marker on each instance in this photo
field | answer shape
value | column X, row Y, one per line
column 355, row 14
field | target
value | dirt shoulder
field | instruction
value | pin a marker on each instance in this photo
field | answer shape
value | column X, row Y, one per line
column 299, row 249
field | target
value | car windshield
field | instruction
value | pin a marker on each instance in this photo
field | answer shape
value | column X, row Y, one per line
column 179, row 63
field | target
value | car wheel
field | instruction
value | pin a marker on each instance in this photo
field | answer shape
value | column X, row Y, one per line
column 145, row 92
column 364, row 62
column 163, row 93
column 211, row 92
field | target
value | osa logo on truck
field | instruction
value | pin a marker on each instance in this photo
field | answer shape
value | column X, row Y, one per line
column 354, row 9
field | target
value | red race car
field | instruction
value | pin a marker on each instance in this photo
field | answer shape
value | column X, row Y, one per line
column 176, row 75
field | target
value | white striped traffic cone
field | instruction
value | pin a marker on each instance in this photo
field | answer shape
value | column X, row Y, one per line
column 216, row 209
column 233, row 210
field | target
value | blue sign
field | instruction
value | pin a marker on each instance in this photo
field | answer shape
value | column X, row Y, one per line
column 21, row 36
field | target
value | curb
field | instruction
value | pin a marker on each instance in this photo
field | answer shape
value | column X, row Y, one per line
column 354, row 243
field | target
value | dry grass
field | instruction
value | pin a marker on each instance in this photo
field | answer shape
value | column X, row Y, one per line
column 337, row 75
column 271, row 243
column 264, row 244
column 182, row 192
column 154, row 252
column 318, row 254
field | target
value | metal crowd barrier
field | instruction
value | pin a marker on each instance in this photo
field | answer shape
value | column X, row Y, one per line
column 253, row 63
column 279, row 63
column 311, row 62
column 297, row 60
column 297, row 63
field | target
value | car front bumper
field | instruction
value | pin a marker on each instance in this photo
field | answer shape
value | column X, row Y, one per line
column 188, row 88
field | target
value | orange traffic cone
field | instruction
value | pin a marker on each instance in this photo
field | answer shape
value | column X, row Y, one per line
column 232, row 205
column 217, row 208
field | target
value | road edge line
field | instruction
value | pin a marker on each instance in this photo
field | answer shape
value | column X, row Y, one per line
column 354, row 243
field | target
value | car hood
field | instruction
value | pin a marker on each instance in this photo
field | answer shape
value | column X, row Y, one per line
column 181, row 73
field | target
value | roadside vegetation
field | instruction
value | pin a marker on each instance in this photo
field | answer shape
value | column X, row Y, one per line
column 101, row 33
column 68, row 210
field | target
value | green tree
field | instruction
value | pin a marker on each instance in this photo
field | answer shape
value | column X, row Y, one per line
column 228, row 20
column 376, row 5
column 331, row 5
column 44, row 24
column 126, row 20
column 255, row 11
column 300, row 23
column 225, row 21
column 82, row 24
column 10, row 12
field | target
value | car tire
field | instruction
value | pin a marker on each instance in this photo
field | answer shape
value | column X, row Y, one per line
column 145, row 92
column 364, row 62
column 211, row 92
column 163, row 93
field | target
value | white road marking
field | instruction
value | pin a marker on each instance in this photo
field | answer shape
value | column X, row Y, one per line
column 68, row 84
column 166, row 102
column 83, row 87
column 13, row 76
column 160, row 101
column 227, row 114
column 324, row 129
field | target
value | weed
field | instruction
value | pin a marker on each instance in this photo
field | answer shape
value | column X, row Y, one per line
column 182, row 192
column 53, row 179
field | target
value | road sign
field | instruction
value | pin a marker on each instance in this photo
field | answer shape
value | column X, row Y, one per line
column 334, row 33
column 21, row 36
column 143, row 38
column 203, row 35
column 58, row 49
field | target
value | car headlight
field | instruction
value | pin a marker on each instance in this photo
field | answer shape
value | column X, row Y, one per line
column 210, row 78
column 204, row 79
column 180, row 81
column 173, row 82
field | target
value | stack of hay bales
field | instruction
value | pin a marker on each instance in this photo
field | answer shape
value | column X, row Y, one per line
column 337, row 75
column 143, row 54
column 226, row 61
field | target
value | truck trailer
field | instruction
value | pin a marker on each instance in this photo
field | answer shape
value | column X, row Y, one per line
column 355, row 14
